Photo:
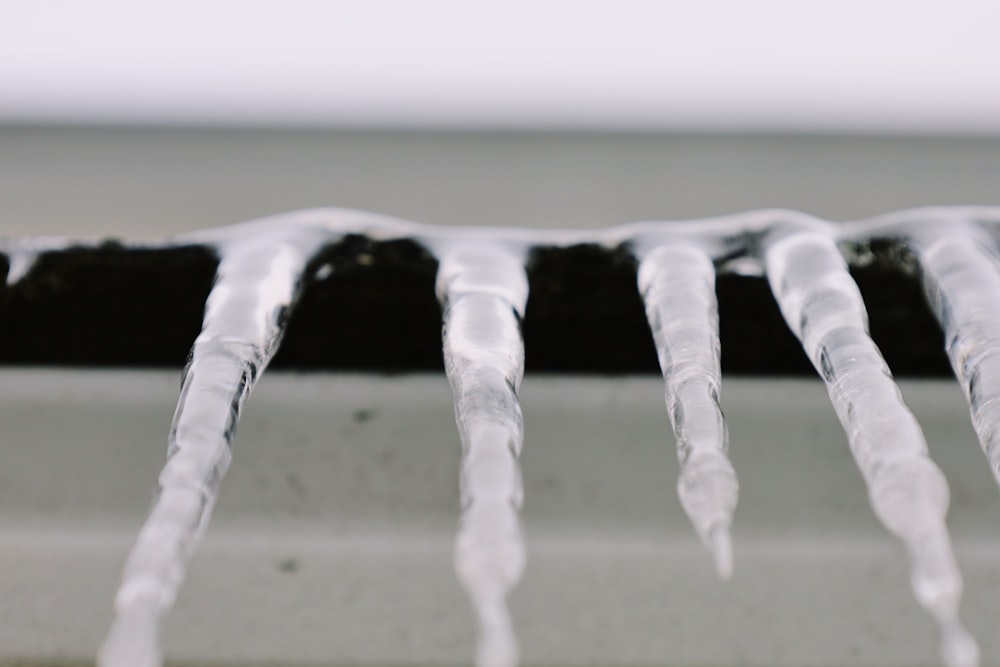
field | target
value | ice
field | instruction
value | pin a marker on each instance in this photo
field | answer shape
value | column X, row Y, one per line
column 482, row 286
column 256, row 285
column 961, row 275
column 23, row 253
column 483, row 290
column 677, row 283
column 822, row 305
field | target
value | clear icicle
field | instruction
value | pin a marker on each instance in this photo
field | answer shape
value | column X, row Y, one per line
column 483, row 290
column 256, row 284
column 677, row 283
column 961, row 273
column 909, row 494
column 23, row 253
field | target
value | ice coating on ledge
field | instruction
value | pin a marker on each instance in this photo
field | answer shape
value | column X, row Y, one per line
column 961, row 273
column 677, row 283
column 721, row 236
column 823, row 307
column 483, row 290
column 245, row 314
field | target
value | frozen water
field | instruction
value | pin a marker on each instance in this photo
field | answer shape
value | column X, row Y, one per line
column 245, row 313
column 961, row 274
column 677, row 282
column 483, row 289
column 909, row 494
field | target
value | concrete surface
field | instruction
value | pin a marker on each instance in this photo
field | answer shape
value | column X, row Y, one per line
column 331, row 544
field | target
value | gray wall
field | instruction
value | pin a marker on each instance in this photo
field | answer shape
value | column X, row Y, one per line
column 142, row 182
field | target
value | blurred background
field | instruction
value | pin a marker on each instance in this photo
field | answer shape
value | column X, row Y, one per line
column 135, row 119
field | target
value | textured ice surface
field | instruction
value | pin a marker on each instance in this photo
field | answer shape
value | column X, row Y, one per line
column 483, row 289
column 909, row 494
column 245, row 313
column 961, row 274
column 677, row 282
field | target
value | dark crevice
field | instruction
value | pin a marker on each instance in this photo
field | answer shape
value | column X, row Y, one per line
column 370, row 306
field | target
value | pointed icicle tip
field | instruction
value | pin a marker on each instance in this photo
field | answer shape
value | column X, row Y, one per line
column 958, row 646
column 134, row 641
column 499, row 651
column 721, row 545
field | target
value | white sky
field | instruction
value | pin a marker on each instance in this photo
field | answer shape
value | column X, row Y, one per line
column 838, row 65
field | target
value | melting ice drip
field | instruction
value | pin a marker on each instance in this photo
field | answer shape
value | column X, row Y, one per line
column 483, row 288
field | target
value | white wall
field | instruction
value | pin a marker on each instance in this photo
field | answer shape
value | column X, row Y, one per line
column 851, row 65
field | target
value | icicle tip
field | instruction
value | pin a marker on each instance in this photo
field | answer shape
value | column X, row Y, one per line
column 134, row 641
column 720, row 543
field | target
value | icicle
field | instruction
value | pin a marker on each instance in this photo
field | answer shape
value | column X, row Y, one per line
column 961, row 274
column 677, row 283
column 483, row 290
column 23, row 253
column 18, row 266
column 909, row 494
column 256, row 285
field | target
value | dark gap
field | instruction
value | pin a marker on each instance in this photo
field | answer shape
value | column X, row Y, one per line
column 107, row 306
column 584, row 313
column 900, row 319
column 375, row 311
